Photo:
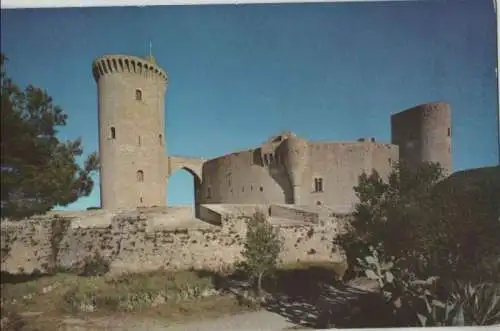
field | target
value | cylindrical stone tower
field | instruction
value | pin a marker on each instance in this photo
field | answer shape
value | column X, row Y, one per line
column 131, row 100
column 423, row 134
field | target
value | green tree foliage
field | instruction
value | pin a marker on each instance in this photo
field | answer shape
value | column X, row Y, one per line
column 461, row 227
column 39, row 172
column 433, row 225
column 386, row 210
column 261, row 249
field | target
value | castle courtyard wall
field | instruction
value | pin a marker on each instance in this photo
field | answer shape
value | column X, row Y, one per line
column 339, row 165
column 242, row 178
column 238, row 179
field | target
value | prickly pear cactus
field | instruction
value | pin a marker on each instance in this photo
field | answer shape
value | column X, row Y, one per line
column 376, row 269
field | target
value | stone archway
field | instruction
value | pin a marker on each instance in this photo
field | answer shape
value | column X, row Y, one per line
column 194, row 167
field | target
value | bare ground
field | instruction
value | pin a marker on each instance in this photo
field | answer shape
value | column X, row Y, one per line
column 259, row 320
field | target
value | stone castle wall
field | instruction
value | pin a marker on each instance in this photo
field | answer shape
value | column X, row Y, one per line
column 242, row 178
column 238, row 179
column 339, row 165
column 133, row 243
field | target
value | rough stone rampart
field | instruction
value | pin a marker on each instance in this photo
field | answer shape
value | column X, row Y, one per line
column 133, row 245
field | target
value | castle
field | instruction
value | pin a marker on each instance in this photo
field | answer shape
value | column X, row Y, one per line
column 286, row 169
column 304, row 188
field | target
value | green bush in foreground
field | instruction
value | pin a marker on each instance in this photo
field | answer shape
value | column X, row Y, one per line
column 431, row 302
column 261, row 250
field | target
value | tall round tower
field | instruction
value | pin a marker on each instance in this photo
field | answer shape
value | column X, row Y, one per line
column 131, row 101
column 423, row 134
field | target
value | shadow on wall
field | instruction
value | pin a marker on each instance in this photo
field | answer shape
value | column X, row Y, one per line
column 277, row 173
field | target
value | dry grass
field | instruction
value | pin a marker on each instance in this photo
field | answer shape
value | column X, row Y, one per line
column 172, row 296
column 161, row 295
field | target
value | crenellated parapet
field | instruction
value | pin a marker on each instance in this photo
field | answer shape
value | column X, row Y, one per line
column 110, row 64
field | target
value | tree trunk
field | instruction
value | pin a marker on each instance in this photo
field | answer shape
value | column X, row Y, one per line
column 259, row 284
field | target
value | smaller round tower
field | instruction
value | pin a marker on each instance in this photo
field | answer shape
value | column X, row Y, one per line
column 423, row 134
column 131, row 103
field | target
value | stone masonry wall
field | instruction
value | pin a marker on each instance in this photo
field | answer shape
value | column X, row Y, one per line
column 133, row 244
column 293, row 213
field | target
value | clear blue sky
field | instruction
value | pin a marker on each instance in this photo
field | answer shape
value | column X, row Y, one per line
column 239, row 74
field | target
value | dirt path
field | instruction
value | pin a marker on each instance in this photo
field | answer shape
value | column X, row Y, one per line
column 260, row 320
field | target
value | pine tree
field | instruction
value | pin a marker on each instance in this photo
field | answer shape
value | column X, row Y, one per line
column 38, row 171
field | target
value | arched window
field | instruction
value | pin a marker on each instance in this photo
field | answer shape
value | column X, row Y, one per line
column 160, row 139
column 140, row 175
column 138, row 94
column 113, row 132
column 449, row 132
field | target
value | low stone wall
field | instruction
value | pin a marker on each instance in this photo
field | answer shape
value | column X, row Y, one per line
column 26, row 245
column 132, row 244
column 293, row 213
column 211, row 214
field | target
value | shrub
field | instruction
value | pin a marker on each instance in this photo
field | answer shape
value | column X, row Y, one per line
column 261, row 250
column 94, row 265
column 432, row 302
column 480, row 302
column 135, row 292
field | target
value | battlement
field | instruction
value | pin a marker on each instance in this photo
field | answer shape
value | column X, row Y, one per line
column 109, row 64
column 423, row 109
